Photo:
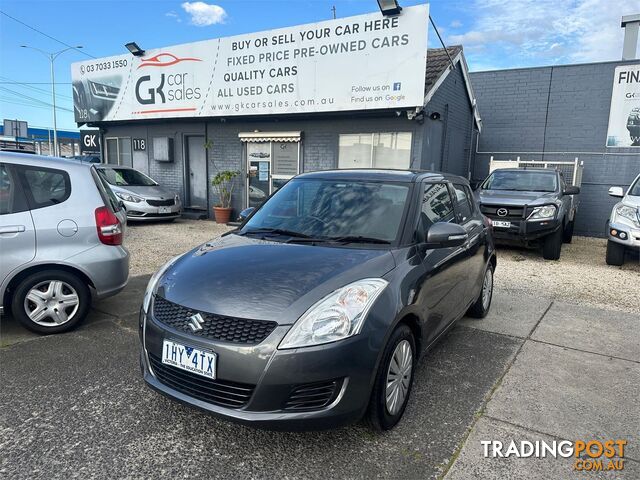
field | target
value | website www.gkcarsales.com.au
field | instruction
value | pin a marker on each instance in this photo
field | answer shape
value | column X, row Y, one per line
column 240, row 106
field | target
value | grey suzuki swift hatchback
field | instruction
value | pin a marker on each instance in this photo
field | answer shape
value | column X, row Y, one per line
column 315, row 311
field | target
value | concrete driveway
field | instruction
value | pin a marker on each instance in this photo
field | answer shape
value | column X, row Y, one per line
column 74, row 405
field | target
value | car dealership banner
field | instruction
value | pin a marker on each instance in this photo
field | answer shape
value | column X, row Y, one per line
column 354, row 63
column 624, row 116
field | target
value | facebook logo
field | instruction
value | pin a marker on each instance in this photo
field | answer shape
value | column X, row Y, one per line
column 396, row 86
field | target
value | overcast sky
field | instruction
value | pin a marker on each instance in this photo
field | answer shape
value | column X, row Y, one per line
column 495, row 34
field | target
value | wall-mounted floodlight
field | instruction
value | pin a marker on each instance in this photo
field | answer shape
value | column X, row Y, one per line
column 389, row 7
column 135, row 50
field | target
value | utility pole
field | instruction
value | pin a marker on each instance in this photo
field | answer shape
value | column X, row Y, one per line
column 51, row 56
column 333, row 9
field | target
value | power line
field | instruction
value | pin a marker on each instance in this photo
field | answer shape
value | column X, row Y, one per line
column 33, row 99
column 46, row 35
column 36, row 89
column 35, row 83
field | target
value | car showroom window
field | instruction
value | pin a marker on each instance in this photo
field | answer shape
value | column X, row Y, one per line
column 375, row 150
column 46, row 186
column 11, row 198
column 436, row 205
column 464, row 203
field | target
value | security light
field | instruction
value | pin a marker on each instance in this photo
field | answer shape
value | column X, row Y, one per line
column 134, row 49
column 389, row 7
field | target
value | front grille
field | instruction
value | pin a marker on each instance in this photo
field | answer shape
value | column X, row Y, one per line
column 218, row 392
column 161, row 203
column 491, row 211
column 215, row 327
column 312, row 396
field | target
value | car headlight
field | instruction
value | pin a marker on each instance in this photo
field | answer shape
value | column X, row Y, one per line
column 546, row 212
column 628, row 212
column 339, row 315
column 153, row 283
column 129, row 198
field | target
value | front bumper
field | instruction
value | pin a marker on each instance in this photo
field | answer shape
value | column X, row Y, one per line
column 522, row 231
column 143, row 211
column 631, row 234
column 274, row 374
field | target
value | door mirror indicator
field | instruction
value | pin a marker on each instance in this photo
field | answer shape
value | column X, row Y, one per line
column 442, row 235
column 616, row 192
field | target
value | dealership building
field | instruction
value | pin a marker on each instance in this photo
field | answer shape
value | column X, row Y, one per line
column 356, row 92
column 433, row 127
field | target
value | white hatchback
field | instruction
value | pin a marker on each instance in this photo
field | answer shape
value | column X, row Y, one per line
column 624, row 225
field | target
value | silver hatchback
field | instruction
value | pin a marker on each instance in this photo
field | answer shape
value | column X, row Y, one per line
column 61, row 232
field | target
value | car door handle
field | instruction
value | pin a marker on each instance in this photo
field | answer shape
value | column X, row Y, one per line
column 12, row 229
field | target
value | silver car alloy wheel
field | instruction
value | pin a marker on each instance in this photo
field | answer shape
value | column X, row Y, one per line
column 487, row 288
column 51, row 303
column 399, row 377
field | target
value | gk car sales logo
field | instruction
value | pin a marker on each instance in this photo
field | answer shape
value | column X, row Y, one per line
column 164, row 88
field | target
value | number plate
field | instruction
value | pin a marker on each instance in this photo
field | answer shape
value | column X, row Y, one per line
column 189, row 358
column 164, row 210
column 501, row 224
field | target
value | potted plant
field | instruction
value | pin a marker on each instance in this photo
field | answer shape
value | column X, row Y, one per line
column 223, row 184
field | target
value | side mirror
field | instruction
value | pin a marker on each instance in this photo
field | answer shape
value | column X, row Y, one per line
column 244, row 214
column 616, row 192
column 442, row 235
column 571, row 191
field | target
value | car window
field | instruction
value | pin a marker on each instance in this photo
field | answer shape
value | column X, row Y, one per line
column 11, row 198
column 335, row 208
column 436, row 205
column 464, row 203
column 521, row 181
column 123, row 177
column 45, row 186
column 635, row 188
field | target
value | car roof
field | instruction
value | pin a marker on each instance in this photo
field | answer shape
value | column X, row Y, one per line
column 381, row 175
column 42, row 160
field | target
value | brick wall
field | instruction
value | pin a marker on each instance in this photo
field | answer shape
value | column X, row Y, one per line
column 561, row 112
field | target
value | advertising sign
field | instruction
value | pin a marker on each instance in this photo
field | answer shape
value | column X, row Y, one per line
column 354, row 63
column 89, row 141
column 624, row 116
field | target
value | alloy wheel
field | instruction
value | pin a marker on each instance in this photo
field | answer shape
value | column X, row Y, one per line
column 487, row 288
column 51, row 303
column 399, row 377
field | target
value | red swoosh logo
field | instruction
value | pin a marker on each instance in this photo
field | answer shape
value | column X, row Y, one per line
column 165, row 60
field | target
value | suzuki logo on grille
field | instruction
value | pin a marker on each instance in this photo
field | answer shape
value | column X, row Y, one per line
column 195, row 322
column 502, row 212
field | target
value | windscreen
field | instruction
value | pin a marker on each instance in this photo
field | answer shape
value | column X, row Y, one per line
column 333, row 209
column 521, row 181
column 124, row 177
column 635, row 188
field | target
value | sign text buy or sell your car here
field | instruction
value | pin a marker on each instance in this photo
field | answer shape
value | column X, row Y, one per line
column 355, row 63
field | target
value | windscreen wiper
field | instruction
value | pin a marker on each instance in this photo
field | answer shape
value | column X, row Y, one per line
column 357, row 239
column 276, row 231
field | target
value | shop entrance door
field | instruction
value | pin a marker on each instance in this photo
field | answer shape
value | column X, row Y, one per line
column 270, row 164
column 196, row 172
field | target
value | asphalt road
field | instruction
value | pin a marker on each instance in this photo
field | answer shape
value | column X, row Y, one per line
column 75, row 406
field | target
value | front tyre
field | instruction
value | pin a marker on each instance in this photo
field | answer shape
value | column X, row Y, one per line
column 394, row 380
column 567, row 235
column 615, row 253
column 483, row 303
column 51, row 301
column 552, row 245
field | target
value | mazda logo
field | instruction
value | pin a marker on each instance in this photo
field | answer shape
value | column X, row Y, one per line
column 195, row 322
column 502, row 212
